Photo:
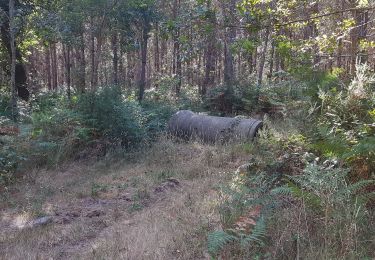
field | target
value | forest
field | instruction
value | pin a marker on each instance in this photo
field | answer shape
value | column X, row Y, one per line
column 90, row 170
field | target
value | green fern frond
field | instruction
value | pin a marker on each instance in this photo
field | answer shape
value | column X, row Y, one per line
column 217, row 240
column 311, row 200
column 283, row 191
column 360, row 185
column 257, row 236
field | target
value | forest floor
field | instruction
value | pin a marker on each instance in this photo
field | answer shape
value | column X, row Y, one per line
column 159, row 203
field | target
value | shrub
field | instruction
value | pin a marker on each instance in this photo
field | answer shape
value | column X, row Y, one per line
column 346, row 121
column 9, row 162
column 115, row 118
column 286, row 202
column 335, row 216
column 4, row 106
column 156, row 117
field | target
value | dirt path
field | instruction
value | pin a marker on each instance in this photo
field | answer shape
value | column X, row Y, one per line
column 160, row 204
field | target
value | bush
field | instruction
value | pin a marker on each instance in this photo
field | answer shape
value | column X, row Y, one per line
column 4, row 106
column 347, row 122
column 271, row 207
column 156, row 117
column 115, row 118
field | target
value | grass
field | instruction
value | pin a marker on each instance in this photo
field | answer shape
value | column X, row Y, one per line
column 125, row 206
column 128, row 218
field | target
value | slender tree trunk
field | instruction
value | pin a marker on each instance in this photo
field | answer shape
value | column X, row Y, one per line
column 272, row 60
column 210, row 53
column 251, row 63
column 54, row 66
column 92, row 52
column 178, row 64
column 340, row 46
column 48, row 68
column 99, row 42
column 230, row 35
column 13, row 61
column 82, row 65
column 122, row 68
column 156, row 50
column 129, row 60
column 115, row 58
column 263, row 55
column 144, row 48
column 67, row 62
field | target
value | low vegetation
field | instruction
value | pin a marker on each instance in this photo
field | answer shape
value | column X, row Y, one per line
column 88, row 169
column 301, row 192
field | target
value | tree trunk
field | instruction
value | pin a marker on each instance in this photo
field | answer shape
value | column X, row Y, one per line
column 122, row 68
column 230, row 36
column 20, row 71
column 82, row 65
column 67, row 62
column 115, row 58
column 54, row 66
column 97, row 59
column 209, row 78
column 272, row 60
column 144, row 48
column 48, row 68
column 263, row 55
column 13, row 102
column 156, row 55
column 92, row 52
column 340, row 46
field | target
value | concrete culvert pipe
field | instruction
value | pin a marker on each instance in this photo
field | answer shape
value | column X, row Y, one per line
column 187, row 124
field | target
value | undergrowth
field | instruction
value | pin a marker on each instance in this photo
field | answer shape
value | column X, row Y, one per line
column 56, row 129
column 289, row 203
column 308, row 190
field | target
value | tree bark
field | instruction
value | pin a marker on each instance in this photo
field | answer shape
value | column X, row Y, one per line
column 92, row 52
column 48, row 67
column 20, row 71
column 144, row 48
column 82, row 65
column 263, row 55
column 115, row 58
column 209, row 78
column 13, row 102
column 68, row 66
column 54, row 66
column 230, row 35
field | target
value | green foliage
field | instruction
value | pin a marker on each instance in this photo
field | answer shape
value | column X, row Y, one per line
column 243, row 98
column 224, row 99
column 117, row 119
column 282, row 183
column 332, row 207
column 246, row 200
column 4, row 106
column 257, row 236
column 9, row 161
column 346, row 125
column 90, row 124
column 96, row 188
column 218, row 240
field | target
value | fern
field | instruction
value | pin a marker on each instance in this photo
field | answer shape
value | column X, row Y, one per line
column 311, row 199
column 358, row 186
column 258, row 234
column 283, row 191
column 218, row 240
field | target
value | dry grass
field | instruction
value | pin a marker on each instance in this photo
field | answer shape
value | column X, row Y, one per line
column 121, row 209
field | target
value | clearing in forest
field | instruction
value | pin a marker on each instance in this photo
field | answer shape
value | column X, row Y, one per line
column 156, row 204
